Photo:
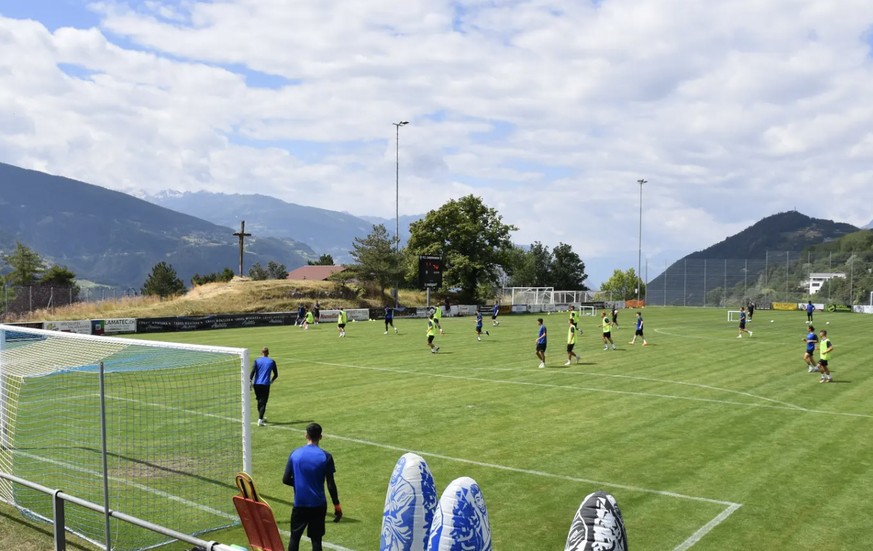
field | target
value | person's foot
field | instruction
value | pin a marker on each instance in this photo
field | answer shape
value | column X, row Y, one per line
column 750, row 333
column 386, row 332
column 262, row 422
column 567, row 362
column 542, row 365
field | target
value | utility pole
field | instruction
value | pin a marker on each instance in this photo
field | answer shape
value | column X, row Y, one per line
column 242, row 237
column 640, row 249
column 397, row 125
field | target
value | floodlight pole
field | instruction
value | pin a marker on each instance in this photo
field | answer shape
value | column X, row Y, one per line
column 397, row 126
column 640, row 249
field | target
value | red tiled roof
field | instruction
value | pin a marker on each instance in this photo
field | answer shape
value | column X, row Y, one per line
column 314, row 273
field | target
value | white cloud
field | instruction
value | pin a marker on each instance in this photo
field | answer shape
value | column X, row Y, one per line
column 551, row 111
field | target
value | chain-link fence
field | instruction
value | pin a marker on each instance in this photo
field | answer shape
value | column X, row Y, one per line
column 16, row 301
column 844, row 277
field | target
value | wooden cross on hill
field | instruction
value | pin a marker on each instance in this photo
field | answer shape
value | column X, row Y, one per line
column 242, row 237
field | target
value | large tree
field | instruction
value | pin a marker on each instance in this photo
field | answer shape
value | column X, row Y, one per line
column 472, row 239
column 26, row 266
column 163, row 281
column 376, row 259
column 568, row 270
column 623, row 286
column 538, row 267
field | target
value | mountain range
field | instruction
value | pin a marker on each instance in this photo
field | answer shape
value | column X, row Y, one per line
column 741, row 258
column 115, row 239
column 324, row 231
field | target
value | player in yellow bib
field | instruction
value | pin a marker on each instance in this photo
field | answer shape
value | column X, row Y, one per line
column 341, row 320
column 825, row 348
column 607, row 331
column 571, row 342
column 431, row 332
column 574, row 316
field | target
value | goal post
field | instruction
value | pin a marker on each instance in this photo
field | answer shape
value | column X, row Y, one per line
column 177, row 429
column 733, row 315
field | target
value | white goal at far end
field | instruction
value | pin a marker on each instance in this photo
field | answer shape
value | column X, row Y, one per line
column 587, row 311
column 733, row 315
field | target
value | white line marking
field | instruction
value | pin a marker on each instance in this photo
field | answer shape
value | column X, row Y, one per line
column 161, row 493
column 731, row 506
column 697, row 536
column 123, row 481
column 777, row 406
column 668, row 381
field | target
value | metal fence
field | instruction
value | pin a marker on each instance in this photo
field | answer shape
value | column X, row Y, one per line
column 844, row 277
column 21, row 300
column 59, row 499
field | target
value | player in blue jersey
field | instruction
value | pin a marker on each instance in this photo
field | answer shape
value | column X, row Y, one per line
column 494, row 312
column 389, row 319
column 742, row 327
column 811, row 339
column 308, row 469
column 541, row 342
column 638, row 332
column 809, row 310
column 479, row 326
column 264, row 372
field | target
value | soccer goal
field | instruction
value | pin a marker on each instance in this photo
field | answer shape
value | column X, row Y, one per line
column 175, row 420
column 733, row 315
column 587, row 310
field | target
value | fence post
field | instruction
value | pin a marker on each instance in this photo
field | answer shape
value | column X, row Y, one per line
column 60, row 521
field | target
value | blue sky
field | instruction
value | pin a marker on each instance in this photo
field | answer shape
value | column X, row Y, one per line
column 548, row 110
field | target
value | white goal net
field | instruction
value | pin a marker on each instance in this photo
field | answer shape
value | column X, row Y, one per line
column 733, row 315
column 176, row 425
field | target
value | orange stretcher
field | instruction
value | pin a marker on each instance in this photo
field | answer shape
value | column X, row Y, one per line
column 256, row 516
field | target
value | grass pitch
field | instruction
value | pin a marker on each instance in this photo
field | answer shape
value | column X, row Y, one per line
column 707, row 441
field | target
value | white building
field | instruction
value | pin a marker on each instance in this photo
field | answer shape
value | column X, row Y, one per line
column 816, row 280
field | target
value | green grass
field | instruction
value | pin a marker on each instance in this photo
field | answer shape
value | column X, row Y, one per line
column 706, row 440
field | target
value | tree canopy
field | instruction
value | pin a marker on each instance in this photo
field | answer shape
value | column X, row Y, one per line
column 472, row 239
column 376, row 258
column 561, row 268
column 323, row 260
column 163, row 281
column 26, row 266
column 623, row 285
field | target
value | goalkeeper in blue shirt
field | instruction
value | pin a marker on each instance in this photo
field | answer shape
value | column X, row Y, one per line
column 308, row 469
column 264, row 372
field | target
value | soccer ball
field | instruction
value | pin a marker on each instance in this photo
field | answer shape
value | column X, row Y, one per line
column 827, row 323
column 771, row 321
